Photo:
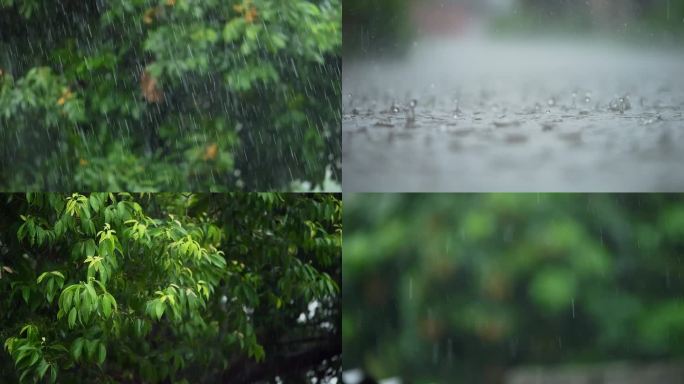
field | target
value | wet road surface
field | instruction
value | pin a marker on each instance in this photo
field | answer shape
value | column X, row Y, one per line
column 477, row 115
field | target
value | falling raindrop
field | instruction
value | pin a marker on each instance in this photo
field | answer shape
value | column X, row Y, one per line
column 667, row 278
column 435, row 353
column 513, row 347
column 668, row 10
column 450, row 351
column 573, row 307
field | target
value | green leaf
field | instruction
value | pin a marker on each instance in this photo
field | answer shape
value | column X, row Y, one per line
column 23, row 375
column 106, row 305
column 91, row 292
column 9, row 343
column 31, row 331
column 42, row 368
column 95, row 202
column 102, row 354
column 72, row 317
column 65, row 298
column 233, row 30
column 34, row 358
column 90, row 248
column 53, row 373
column 77, row 348
column 25, row 292
column 50, row 290
column 159, row 309
column 58, row 273
column 41, row 277
column 308, row 8
column 23, row 354
column 90, row 346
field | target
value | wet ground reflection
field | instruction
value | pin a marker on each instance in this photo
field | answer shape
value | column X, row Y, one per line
column 475, row 115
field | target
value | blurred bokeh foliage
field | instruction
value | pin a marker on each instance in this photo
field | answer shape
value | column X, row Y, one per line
column 379, row 26
column 387, row 27
column 437, row 287
column 169, row 94
column 653, row 21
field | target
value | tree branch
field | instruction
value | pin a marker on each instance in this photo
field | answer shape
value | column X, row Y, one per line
column 249, row 371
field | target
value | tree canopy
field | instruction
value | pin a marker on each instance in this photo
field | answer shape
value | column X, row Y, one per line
column 181, row 288
column 169, row 95
column 439, row 288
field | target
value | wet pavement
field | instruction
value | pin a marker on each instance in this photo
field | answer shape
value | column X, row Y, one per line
column 478, row 115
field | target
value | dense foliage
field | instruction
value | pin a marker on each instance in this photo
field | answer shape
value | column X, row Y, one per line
column 144, row 95
column 180, row 288
column 441, row 287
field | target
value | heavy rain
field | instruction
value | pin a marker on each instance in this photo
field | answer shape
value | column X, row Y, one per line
column 149, row 95
column 515, row 95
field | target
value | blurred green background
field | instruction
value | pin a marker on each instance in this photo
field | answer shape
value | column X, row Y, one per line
column 390, row 26
column 439, row 287
column 382, row 25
